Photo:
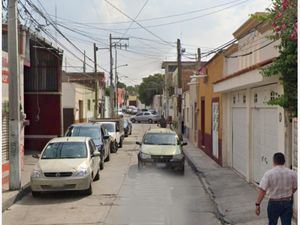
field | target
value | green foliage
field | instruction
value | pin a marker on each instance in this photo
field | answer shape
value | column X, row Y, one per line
column 150, row 86
column 283, row 17
column 121, row 85
column 132, row 90
column 107, row 91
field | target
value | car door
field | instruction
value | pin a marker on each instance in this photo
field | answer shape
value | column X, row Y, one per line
column 139, row 116
column 147, row 116
column 95, row 161
column 105, row 141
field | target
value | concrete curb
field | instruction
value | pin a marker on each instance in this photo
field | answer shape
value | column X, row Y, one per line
column 25, row 190
column 219, row 214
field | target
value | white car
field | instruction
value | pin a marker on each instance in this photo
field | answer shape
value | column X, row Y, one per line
column 117, row 137
column 65, row 164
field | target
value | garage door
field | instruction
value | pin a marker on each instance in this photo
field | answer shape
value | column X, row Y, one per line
column 265, row 140
column 239, row 140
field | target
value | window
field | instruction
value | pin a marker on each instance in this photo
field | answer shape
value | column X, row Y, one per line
column 63, row 150
column 233, row 100
column 89, row 104
column 92, row 147
column 139, row 114
column 273, row 95
column 255, row 98
column 147, row 114
column 244, row 98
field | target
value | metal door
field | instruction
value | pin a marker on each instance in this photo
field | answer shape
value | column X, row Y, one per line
column 215, row 129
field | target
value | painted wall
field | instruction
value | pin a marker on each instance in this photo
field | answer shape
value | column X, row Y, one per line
column 214, row 70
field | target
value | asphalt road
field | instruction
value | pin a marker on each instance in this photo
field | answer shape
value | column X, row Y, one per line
column 123, row 196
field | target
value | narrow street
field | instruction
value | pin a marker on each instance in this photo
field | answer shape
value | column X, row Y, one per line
column 123, row 195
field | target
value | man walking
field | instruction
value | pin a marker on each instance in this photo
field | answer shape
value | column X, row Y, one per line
column 279, row 184
column 163, row 122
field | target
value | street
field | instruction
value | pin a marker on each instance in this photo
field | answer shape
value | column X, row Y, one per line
column 123, row 195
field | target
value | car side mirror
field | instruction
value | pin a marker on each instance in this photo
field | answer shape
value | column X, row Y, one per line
column 138, row 143
column 36, row 156
column 106, row 137
column 95, row 154
column 183, row 143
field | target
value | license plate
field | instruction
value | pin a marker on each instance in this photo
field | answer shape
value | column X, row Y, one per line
column 160, row 164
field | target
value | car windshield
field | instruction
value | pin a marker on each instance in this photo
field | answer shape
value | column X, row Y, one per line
column 65, row 150
column 92, row 132
column 160, row 139
column 109, row 127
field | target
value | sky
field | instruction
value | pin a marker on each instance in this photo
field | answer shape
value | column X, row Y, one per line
column 204, row 24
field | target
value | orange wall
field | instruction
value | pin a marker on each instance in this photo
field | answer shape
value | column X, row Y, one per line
column 214, row 70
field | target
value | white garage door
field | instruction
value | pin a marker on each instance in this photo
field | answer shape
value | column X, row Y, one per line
column 265, row 140
column 239, row 140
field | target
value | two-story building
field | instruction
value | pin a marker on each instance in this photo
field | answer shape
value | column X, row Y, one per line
column 253, row 130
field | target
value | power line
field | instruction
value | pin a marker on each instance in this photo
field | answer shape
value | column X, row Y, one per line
column 250, row 52
column 144, row 28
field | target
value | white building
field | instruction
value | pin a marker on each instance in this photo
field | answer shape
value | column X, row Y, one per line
column 253, row 130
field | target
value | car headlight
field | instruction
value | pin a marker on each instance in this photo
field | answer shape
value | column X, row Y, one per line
column 145, row 156
column 81, row 173
column 36, row 173
column 178, row 156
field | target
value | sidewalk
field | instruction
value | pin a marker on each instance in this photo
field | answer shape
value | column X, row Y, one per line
column 233, row 196
column 10, row 197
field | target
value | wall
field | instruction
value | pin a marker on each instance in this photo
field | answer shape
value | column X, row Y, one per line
column 40, row 117
column 214, row 72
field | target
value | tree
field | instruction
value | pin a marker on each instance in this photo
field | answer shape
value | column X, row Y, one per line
column 121, row 85
column 150, row 86
column 283, row 17
column 132, row 90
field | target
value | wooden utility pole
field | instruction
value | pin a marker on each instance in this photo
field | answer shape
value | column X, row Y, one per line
column 111, row 97
column 179, row 87
column 96, row 111
column 14, row 98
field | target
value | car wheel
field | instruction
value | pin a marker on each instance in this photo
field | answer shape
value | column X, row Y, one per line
column 97, row 177
column 89, row 191
column 101, row 164
column 107, row 159
column 181, row 170
column 133, row 120
column 150, row 121
column 140, row 165
column 36, row 194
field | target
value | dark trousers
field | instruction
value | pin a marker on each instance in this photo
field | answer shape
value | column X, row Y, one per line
column 282, row 209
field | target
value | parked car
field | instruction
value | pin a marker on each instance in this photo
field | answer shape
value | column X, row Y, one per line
column 162, row 147
column 127, row 127
column 65, row 164
column 97, row 133
column 145, row 117
column 120, row 112
column 153, row 111
column 116, row 134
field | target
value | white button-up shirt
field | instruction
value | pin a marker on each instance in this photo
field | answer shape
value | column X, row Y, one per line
column 279, row 182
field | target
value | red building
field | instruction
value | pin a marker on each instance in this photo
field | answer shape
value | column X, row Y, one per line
column 43, row 94
column 121, row 97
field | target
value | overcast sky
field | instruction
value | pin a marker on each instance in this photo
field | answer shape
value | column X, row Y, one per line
column 198, row 23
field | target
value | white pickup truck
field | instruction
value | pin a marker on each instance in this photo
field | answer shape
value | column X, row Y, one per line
column 115, row 128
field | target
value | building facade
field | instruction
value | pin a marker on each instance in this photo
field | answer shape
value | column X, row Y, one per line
column 209, row 108
column 253, row 129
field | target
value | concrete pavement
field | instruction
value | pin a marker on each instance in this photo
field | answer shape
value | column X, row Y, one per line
column 10, row 197
column 232, row 195
column 123, row 196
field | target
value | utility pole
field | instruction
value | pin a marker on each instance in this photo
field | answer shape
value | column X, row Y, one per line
column 84, row 62
column 111, row 97
column 113, row 94
column 116, row 80
column 96, row 83
column 179, row 88
column 14, row 98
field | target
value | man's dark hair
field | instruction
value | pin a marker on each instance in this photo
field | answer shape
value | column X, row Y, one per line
column 278, row 158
